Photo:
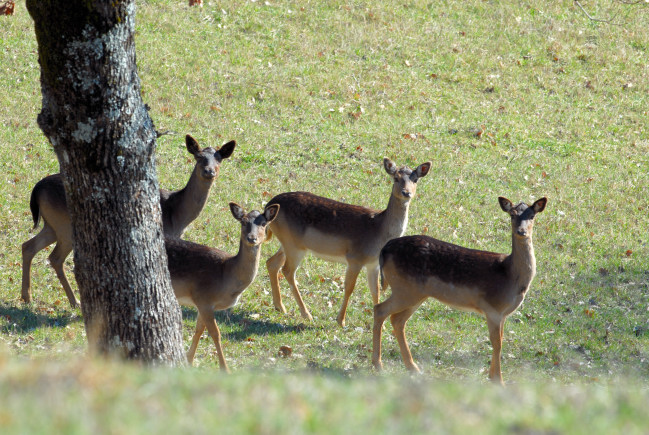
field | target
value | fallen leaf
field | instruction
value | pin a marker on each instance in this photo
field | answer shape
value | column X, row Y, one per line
column 7, row 8
column 628, row 252
column 355, row 115
column 285, row 351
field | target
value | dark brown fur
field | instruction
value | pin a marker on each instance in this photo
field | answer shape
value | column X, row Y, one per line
column 304, row 210
column 423, row 257
column 202, row 258
column 51, row 185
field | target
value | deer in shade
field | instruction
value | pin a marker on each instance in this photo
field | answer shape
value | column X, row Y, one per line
column 210, row 279
column 340, row 232
column 491, row 284
column 179, row 209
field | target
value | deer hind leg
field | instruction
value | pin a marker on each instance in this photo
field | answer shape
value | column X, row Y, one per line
column 293, row 260
column 215, row 333
column 274, row 264
column 200, row 328
column 393, row 306
column 399, row 321
column 30, row 248
column 351, row 275
column 57, row 258
column 496, row 337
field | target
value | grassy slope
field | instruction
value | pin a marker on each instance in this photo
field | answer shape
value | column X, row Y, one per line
column 316, row 95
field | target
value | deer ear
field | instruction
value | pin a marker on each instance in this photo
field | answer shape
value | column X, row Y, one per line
column 237, row 211
column 390, row 167
column 423, row 169
column 271, row 212
column 539, row 205
column 505, row 204
column 226, row 150
column 192, row 145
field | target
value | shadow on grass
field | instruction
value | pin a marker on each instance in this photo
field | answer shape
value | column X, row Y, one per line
column 24, row 318
column 249, row 326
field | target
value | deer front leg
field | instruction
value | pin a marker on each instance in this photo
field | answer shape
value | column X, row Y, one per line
column 213, row 329
column 353, row 270
column 373, row 282
column 496, row 338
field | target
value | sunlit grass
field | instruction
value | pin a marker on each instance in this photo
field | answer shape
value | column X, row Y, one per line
column 519, row 100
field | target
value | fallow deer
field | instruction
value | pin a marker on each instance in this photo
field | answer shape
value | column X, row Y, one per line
column 179, row 209
column 491, row 284
column 340, row 232
column 210, row 279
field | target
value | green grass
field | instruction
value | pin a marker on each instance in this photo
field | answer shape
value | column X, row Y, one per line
column 109, row 398
column 316, row 94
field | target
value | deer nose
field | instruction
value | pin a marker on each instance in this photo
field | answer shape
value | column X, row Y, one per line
column 209, row 173
column 252, row 240
column 406, row 193
column 521, row 232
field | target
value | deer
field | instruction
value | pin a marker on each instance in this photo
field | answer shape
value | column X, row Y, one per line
column 340, row 232
column 210, row 279
column 494, row 285
column 179, row 209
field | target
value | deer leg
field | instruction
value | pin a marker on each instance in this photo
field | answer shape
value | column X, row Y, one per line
column 215, row 333
column 373, row 283
column 399, row 321
column 274, row 264
column 353, row 270
column 30, row 248
column 380, row 314
column 496, row 338
column 200, row 327
column 293, row 260
column 57, row 258
column 398, row 302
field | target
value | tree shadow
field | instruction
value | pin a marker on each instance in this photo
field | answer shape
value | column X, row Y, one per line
column 248, row 326
column 24, row 318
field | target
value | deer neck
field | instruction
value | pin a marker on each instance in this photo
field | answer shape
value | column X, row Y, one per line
column 194, row 196
column 395, row 216
column 523, row 262
column 244, row 265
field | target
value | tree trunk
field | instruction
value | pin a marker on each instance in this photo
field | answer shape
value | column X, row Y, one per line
column 104, row 139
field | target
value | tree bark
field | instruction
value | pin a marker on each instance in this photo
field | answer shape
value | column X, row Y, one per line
column 104, row 139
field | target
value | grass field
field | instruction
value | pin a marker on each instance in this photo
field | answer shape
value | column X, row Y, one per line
column 515, row 99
